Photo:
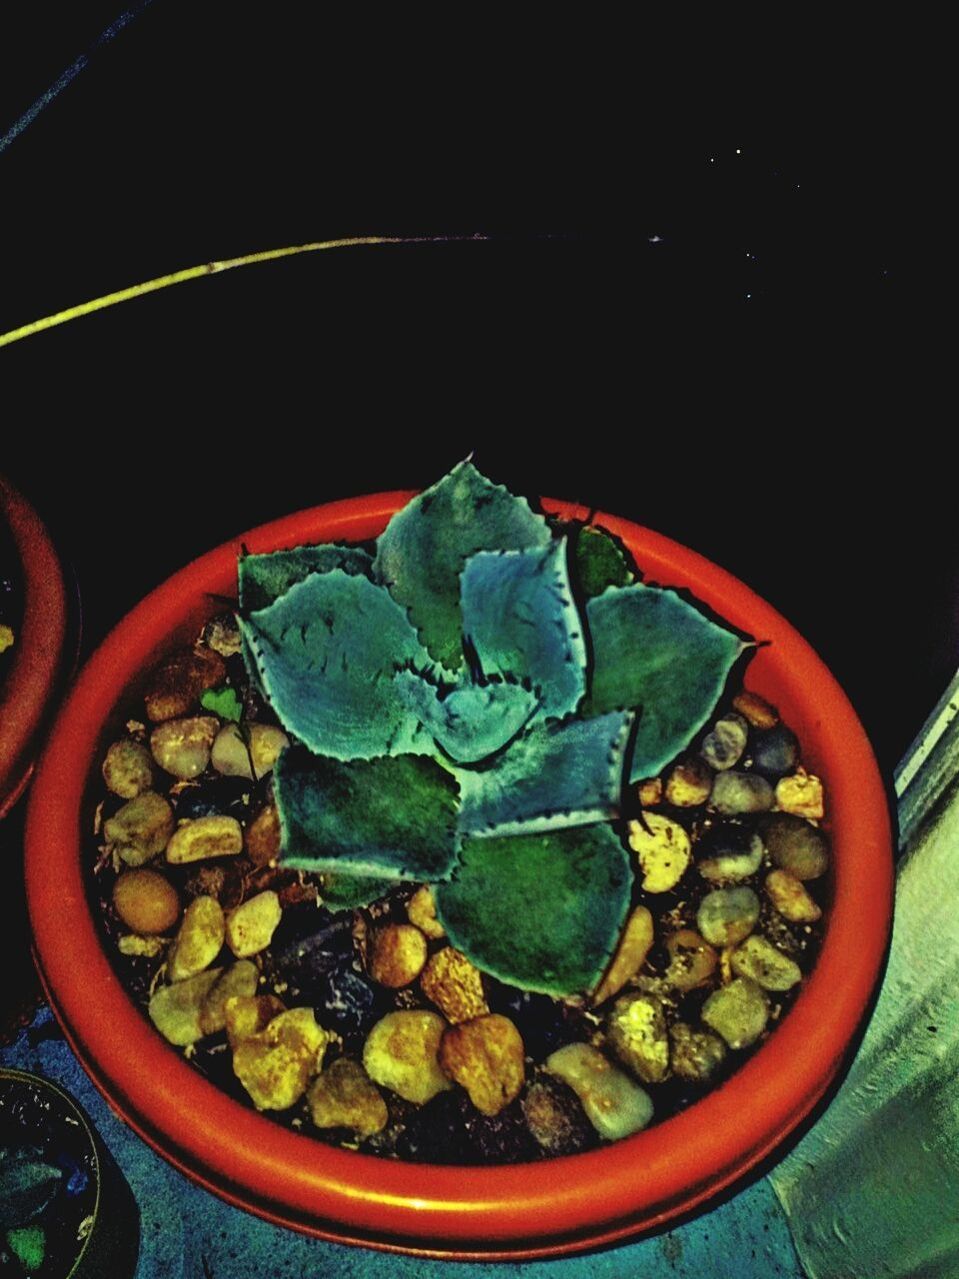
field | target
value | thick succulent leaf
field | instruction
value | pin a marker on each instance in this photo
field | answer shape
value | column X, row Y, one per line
column 392, row 818
column 553, row 776
column 264, row 578
column 542, row 912
column 345, row 892
column 425, row 546
column 601, row 561
column 326, row 653
column 522, row 622
column 470, row 721
column 27, row 1184
column 654, row 651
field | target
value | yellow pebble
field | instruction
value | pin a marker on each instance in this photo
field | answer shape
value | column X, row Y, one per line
column 146, row 901
column 6, row 638
column 801, row 794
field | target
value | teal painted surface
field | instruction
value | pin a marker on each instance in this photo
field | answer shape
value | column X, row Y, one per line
column 189, row 1234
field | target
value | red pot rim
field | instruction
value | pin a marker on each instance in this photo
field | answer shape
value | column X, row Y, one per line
column 40, row 646
column 556, row 1206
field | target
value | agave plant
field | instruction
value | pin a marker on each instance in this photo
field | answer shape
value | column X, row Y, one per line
column 469, row 702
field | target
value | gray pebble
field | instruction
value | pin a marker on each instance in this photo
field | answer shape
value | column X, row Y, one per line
column 796, row 846
column 735, row 792
column 723, row 747
column 728, row 915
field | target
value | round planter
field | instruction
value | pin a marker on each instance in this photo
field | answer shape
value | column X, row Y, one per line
column 533, row 1210
column 30, row 683
column 91, row 1226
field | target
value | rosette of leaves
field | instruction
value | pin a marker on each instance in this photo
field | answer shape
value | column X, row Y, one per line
column 469, row 700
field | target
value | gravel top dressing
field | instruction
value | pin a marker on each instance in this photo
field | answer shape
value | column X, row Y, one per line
column 465, row 846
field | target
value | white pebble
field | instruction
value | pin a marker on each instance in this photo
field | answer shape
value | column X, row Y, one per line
column 614, row 1104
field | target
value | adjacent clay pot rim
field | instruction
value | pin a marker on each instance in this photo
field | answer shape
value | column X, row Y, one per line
column 40, row 646
column 80, row 1119
column 560, row 1205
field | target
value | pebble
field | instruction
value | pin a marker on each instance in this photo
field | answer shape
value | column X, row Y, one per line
column 692, row 961
column 689, row 783
column 796, row 846
column 250, row 927
column 636, row 1032
column 199, row 940
column 179, row 681
column 727, row 915
column 663, row 849
column 141, row 829
column 612, row 1102
column 486, row 1057
column 239, row 980
column 634, row 945
column 230, row 755
column 695, row 1054
column 735, row 792
column 127, row 768
column 454, row 985
column 146, row 901
column 401, row 1051
column 143, row 947
column 205, row 837
column 176, row 1010
column 275, row 1065
column 733, row 864
column 266, row 743
column 246, row 1015
column 262, row 837
column 421, row 911
column 724, row 744
column 216, row 797
column 775, row 751
column 348, row 1002
column 555, row 1118
column 344, row 1096
column 755, row 709
column 801, row 793
column 738, row 1012
column 650, row 792
column 397, row 955
column 768, row 967
column 222, row 634
column 182, row 746
column 791, row 898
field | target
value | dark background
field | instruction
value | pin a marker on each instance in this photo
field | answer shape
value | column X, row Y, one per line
column 711, row 330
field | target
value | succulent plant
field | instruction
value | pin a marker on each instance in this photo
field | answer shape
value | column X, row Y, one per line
column 469, row 704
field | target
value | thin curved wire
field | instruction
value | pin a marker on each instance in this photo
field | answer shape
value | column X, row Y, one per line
column 213, row 268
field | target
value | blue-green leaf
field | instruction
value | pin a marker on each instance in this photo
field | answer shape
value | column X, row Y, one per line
column 468, row 721
column 553, row 776
column 326, row 652
column 392, row 818
column 654, row 651
column 542, row 912
column 519, row 616
column 341, row 891
column 424, row 548
column 264, row 578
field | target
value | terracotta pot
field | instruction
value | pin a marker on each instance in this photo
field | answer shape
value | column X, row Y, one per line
column 40, row 649
column 556, row 1206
